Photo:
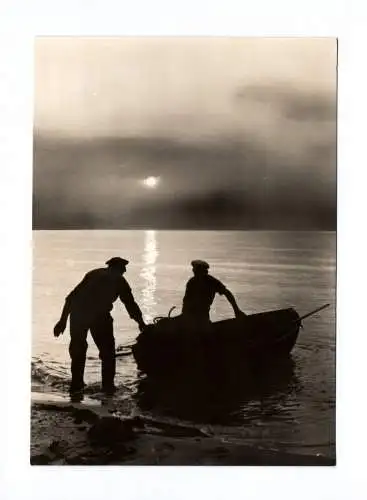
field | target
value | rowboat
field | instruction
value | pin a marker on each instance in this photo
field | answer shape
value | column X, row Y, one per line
column 172, row 344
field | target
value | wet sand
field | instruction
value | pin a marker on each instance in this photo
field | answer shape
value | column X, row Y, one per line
column 63, row 433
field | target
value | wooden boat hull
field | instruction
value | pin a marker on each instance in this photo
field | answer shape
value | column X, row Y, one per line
column 171, row 345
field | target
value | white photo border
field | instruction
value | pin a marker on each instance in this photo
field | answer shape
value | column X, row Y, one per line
column 19, row 23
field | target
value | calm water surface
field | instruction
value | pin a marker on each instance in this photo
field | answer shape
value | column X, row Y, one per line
column 292, row 409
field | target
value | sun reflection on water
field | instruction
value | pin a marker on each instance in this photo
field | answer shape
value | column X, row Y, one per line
column 148, row 274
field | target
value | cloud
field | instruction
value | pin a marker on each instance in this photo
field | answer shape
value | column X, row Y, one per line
column 225, row 184
column 241, row 131
column 293, row 103
column 167, row 86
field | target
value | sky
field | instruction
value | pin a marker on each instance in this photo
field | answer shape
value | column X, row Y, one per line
column 238, row 133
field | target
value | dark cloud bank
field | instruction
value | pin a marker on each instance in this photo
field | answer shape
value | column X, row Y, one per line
column 226, row 184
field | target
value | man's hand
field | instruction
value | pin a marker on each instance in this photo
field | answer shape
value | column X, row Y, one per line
column 59, row 328
column 240, row 314
column 142, row 325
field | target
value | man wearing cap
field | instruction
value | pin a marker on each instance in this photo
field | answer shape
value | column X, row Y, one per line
column 200, row 293
column 89, row 306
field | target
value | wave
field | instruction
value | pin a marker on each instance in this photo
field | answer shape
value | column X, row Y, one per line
column 48, row 375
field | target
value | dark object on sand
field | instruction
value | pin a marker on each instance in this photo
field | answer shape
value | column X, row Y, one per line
column 110, row 431
column 169, row 346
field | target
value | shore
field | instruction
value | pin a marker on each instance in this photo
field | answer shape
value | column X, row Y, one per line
column 63, row 433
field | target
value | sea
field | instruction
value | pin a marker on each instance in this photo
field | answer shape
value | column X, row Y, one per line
column 292, row 411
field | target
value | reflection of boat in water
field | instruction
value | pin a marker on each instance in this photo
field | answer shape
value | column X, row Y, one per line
column 170, row 346
column 220, row 397
column 237, row 373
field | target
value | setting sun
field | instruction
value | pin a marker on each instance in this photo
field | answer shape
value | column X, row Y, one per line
column 151, row 182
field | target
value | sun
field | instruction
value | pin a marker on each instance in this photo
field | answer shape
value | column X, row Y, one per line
column 151, row 182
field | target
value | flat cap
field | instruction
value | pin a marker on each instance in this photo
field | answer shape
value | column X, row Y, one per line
column 200, row 263
column 117, row 261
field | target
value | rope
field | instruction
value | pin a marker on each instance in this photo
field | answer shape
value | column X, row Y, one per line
column 159, row 318
column 120, row 351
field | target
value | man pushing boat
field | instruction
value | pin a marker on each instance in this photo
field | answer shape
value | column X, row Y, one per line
column 200, row 293
column 89, row 306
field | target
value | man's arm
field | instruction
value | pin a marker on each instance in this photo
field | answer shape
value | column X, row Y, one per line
column 61, row 324
column 229, row 296
column 223, row 290
column 132, row 307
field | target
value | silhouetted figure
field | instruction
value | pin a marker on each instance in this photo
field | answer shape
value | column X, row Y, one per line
column 89, row 306
column 200, row 293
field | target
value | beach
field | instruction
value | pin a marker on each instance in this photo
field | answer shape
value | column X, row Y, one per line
column 63, row 433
